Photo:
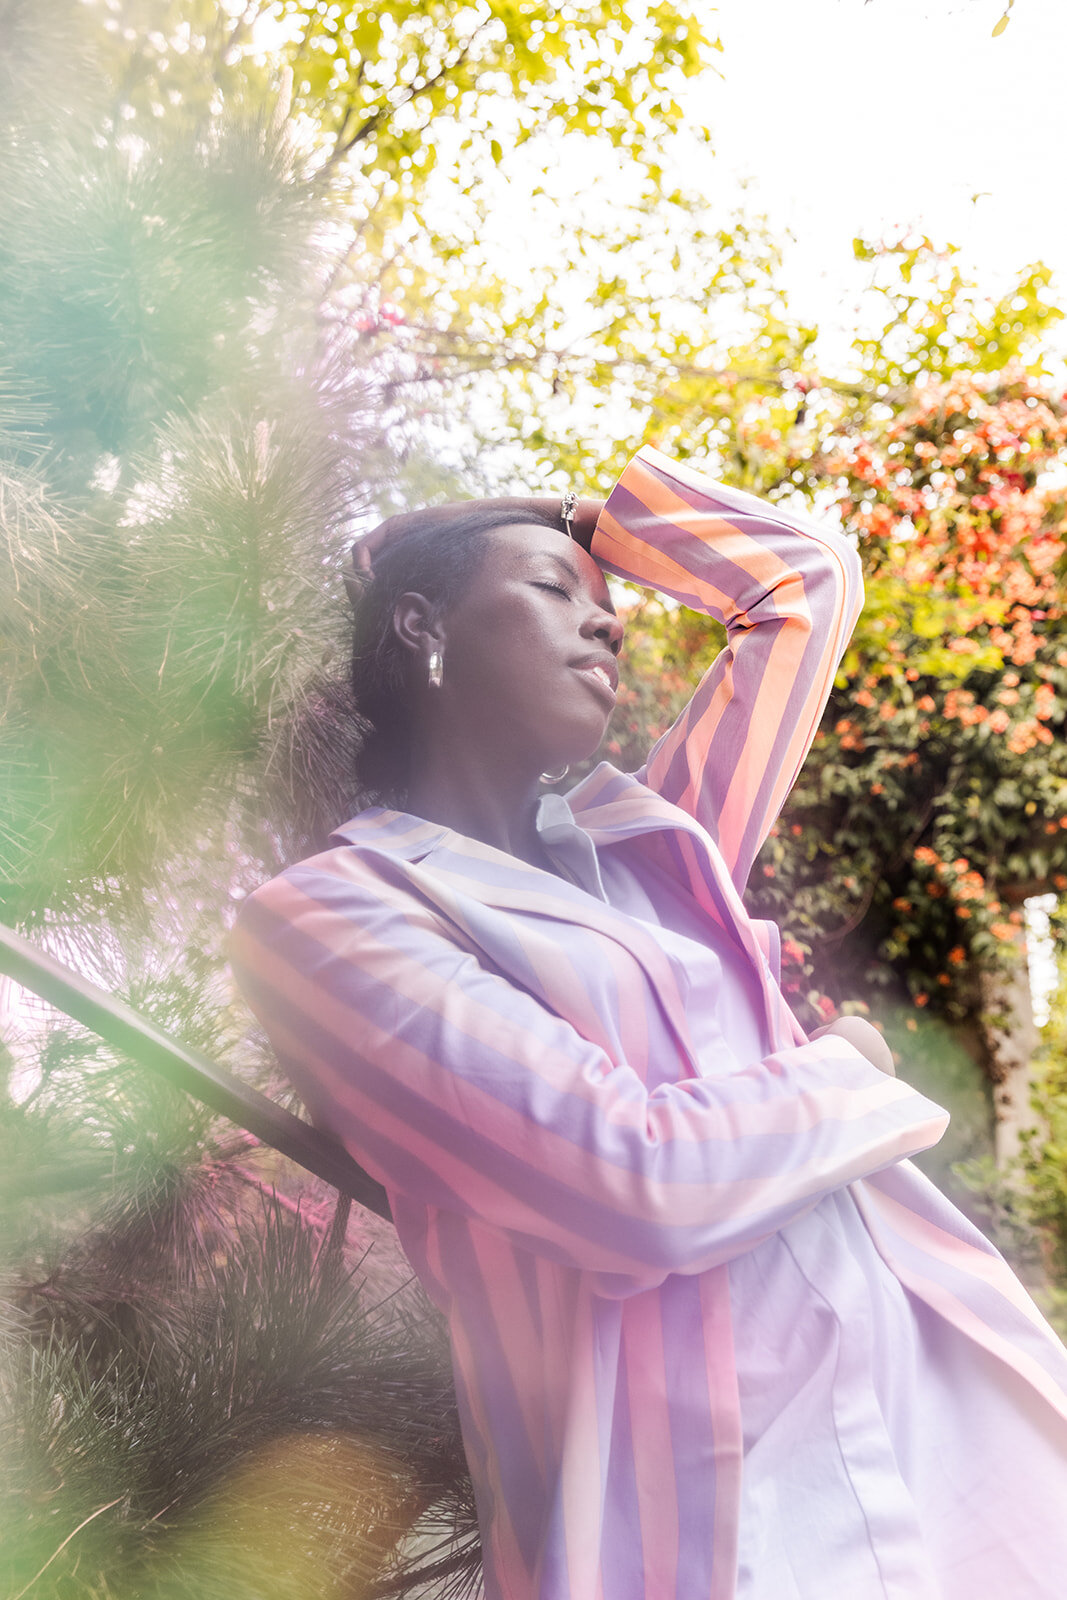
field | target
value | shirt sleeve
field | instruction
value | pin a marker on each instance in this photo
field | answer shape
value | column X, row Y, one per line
column 788, row 592
column 458, row 1089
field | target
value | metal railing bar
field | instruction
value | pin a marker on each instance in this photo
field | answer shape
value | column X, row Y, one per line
column 187, row 1069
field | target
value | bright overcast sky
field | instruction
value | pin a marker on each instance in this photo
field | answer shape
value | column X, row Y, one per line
column 853, row 117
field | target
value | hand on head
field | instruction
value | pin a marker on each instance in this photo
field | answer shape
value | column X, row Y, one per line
column 582, row 524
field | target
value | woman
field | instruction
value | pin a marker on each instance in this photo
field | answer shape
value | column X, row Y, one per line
column 713, row 1335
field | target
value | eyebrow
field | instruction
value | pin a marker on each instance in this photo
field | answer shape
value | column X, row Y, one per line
column 572, row 572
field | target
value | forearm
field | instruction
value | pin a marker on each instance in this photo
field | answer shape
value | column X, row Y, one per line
column 787, row 592
column 450, row 1084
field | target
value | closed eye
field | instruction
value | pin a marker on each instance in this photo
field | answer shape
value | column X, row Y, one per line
column 556, row 588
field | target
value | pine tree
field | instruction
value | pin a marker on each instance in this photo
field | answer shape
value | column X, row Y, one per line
column 200, row 1394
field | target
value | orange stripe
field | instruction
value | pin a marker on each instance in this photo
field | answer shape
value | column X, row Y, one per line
column 725, row 529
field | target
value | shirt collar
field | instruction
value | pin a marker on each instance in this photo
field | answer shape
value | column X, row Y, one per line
column 570, row 846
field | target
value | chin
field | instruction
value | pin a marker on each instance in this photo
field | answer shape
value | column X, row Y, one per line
column 574, row 739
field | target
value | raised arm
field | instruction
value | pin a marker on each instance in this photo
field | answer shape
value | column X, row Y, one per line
column 454, row 1087
column 788, row 593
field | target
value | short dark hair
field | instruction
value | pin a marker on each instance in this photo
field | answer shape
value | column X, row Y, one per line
column 437, row 558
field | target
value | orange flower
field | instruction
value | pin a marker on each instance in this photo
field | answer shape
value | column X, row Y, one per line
column 957, row 955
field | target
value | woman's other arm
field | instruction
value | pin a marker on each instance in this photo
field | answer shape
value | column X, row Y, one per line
column 788, row 593
column 452, row 1086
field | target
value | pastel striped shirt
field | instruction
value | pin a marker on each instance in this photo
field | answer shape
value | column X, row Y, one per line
column 713, row 1334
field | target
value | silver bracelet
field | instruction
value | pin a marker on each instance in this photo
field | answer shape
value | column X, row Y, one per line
column 567, row 507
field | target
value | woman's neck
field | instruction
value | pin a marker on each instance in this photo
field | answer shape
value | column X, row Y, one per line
column 499, row 813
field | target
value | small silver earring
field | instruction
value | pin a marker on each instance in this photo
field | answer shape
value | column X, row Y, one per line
column 554, row 777
column 436, row 670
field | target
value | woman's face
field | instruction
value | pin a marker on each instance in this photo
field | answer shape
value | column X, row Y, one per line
column 529, row 651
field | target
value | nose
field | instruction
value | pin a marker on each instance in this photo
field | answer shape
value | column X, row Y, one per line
column 605, row 627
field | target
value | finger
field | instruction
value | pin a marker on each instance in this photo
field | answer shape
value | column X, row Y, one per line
column 361, row 556
column 367, row 546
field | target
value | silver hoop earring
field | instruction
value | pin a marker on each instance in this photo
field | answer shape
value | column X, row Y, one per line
column 436, row 670
column 554, row 777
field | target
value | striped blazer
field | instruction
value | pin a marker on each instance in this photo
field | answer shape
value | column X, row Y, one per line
column 575, row 1172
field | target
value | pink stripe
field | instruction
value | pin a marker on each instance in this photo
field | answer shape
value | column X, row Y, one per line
column 432, row 1250
column 927, row 1236
column 500, row 1531
column 726, row 1428
column 657, row 1497
column 933, row 1240
column 558, row 1290
column 961, row 1316
column 504, row 1307
column 581, row 1467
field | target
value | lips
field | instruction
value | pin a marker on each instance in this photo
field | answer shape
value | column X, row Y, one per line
column 603, row 669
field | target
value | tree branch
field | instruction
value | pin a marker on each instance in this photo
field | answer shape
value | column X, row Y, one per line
column 343, row 147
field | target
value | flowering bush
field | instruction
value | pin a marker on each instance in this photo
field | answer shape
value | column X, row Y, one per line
column 936, row 798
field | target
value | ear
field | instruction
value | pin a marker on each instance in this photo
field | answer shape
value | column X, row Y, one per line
column 417, row 625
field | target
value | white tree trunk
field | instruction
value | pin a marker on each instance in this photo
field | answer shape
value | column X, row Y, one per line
column 1011, row 1039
